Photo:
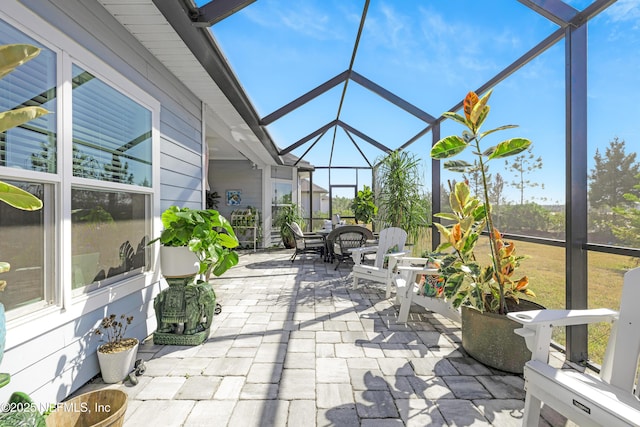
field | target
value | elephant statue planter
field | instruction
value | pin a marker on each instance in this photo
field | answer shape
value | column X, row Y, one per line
column 195, row 244
column 184, row 312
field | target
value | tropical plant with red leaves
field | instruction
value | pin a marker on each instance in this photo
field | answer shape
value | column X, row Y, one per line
column 486, row 288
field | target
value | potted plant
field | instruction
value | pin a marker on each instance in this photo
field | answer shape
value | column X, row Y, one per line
column 363, row 206
column 196, row 241
column 118, row 355
column 212, row 199
column 399, row 194
column 485, row 292
column 285, row 216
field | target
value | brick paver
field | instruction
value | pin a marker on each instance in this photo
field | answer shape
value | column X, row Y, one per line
column 296, row 346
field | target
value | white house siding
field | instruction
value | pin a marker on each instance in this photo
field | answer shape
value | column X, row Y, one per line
column 181, row 158
column 53, row 353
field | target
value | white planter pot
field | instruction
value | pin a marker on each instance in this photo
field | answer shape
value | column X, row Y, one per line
column 115, row 367
column 178, row 262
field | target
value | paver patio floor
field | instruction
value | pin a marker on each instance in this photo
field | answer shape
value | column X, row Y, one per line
column 296, row 346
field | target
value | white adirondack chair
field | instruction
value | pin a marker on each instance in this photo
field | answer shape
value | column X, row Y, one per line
column 409, row 291
column 608, row 400
column 391, row 238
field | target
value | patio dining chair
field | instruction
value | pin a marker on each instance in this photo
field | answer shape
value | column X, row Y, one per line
column 588, row 400
column 306, row 242
column 341, row 240
column 390, row 242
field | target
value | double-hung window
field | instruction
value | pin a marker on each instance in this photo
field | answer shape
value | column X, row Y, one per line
column 111, row 189
column 94, row 173
column 28, row 160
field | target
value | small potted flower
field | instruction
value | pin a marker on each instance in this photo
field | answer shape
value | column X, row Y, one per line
column 117, row 355
column 432, row 285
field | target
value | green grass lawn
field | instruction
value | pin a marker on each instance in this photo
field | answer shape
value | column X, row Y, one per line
column 545, row 267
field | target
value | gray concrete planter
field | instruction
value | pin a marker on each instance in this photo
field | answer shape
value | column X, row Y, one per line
column 489, row 338
column 116, row 367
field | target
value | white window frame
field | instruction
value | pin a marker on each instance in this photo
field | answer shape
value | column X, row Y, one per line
column 95, row 184
column 64, row 307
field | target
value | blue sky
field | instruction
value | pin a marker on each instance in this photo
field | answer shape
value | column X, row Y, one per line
column 431, row 54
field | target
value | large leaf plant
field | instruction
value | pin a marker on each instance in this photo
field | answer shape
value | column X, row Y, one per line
column 486, row 288
column 11, row 57
column 208, row 235
column 285, row 216
column 363, row 206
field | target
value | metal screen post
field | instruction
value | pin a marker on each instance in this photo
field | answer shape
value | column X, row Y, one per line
column 435, row 188
column 576, row 186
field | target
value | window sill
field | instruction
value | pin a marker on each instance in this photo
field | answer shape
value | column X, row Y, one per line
column 43, row 321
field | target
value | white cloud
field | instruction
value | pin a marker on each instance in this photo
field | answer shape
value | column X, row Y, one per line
column 620, row 18
column 452, row 44
column 624, row 11
column 386, row 29
column 303, row 17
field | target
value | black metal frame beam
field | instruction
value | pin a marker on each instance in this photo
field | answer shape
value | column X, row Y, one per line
column 310, row 136
column 555, row 11
column 436, row 196
column 573, row 28
column 332, row 186
column 217, row 10
column 298, row 102
column 310, row 147
column 364, row 137
column 563, row 14
column 552, row 39
column 363, row 18
column 330, row 84
column 344, row 167
column 592, row 10
column 344, row 77
column 204, row 48
column 323, row 129
column 357, row 146
column 392, row 98
column 576, row 187
column 574, row 25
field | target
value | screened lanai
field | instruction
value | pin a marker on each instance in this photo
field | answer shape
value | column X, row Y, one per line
column 341, row 84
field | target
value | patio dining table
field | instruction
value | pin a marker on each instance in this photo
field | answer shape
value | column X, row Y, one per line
column 329, row 257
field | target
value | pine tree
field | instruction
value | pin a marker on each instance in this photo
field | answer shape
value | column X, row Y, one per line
column 521, row 166
column 613, row 176
column 495, row 191
column 627, row 229
column 474, row 177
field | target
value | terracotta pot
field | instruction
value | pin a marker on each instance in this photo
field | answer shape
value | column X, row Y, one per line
column 489, row 338
column 115, row 367
column 100, row 408
column 176, row 262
